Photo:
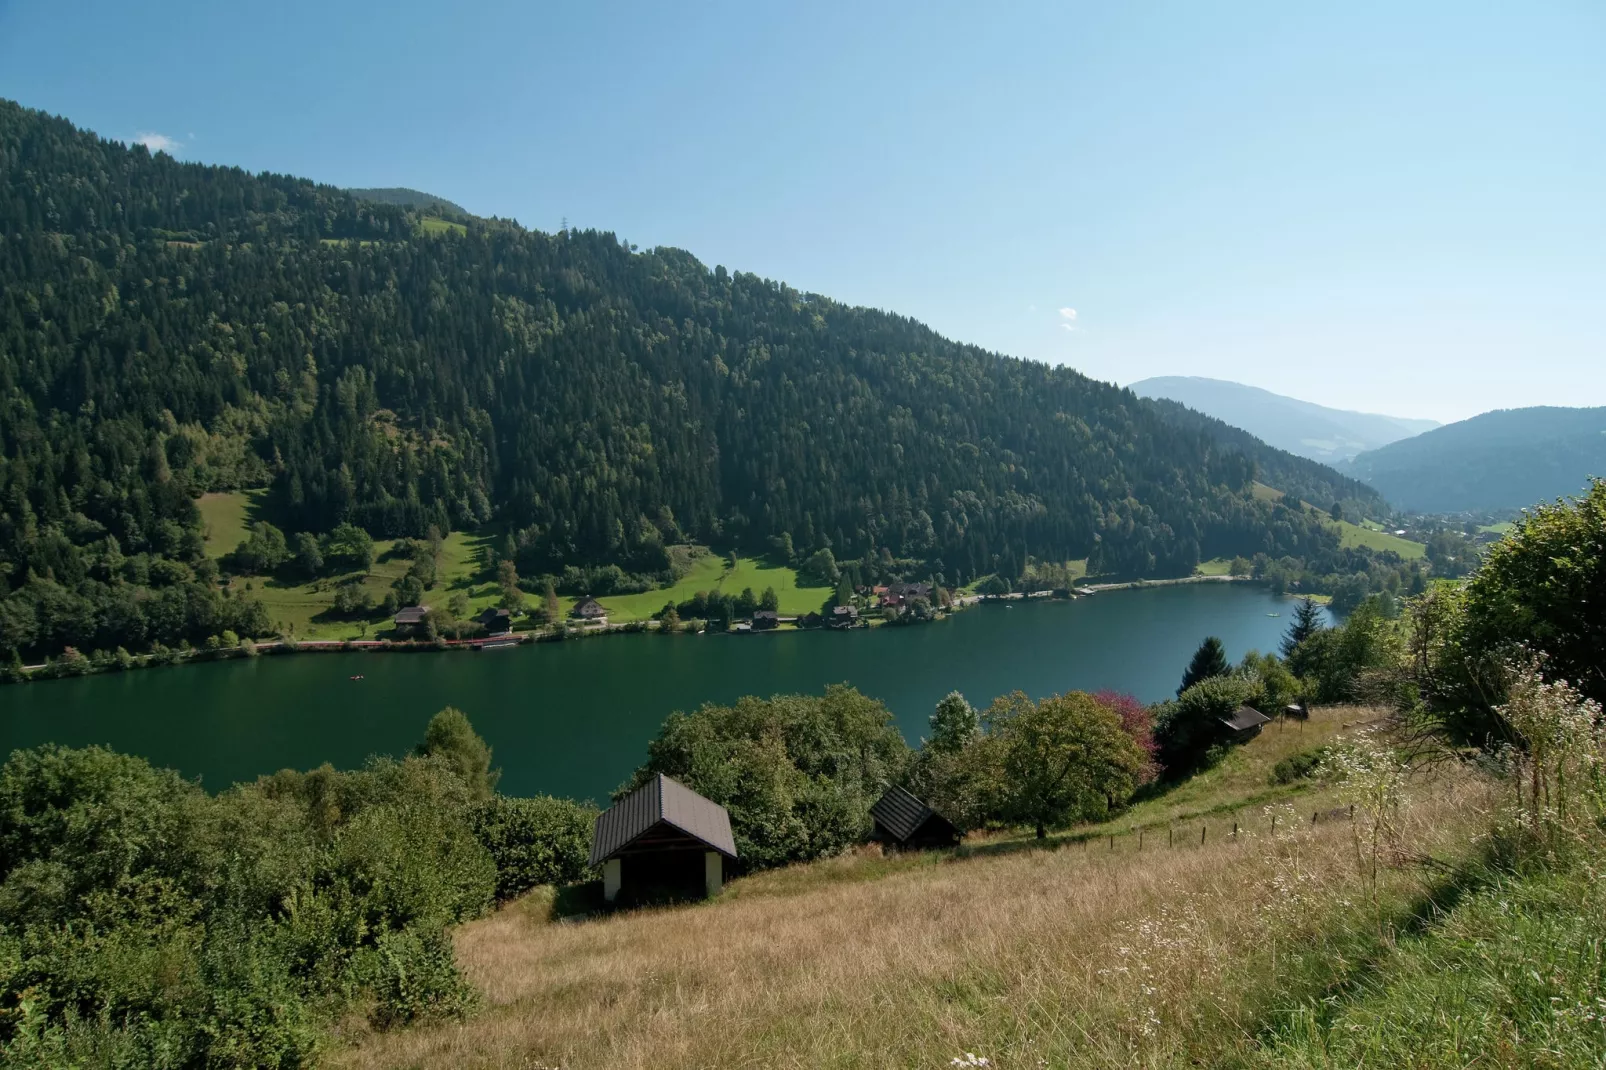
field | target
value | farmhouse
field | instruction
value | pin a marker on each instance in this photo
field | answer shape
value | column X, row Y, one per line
column 1244, row 724
column 764, row 619
column 662, row 838
column 589, row 609
column 903, row 821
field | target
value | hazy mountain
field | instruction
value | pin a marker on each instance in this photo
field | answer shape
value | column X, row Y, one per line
column 403, row 197
column 1505, row 459
column 1301, row 427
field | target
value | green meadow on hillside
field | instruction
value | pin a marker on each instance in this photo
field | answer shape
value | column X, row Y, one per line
column 303, row 607
column 1355, row 535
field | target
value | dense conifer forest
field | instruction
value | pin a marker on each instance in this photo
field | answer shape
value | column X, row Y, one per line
column 169, row 328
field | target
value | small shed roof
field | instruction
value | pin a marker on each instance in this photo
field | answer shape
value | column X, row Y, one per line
column 661, row 801
column 411, row 615
column 902, row 814
column 1244, row 718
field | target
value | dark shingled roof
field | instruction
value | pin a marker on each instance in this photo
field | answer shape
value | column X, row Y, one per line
column 1244, row 718
column 661, row 801
column 901, row 814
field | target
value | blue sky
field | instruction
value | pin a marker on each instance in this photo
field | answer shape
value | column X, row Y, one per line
column 1365, row 206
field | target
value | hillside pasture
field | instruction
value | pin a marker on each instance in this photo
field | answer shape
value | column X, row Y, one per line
column 1081, row 952
column 1355, row 535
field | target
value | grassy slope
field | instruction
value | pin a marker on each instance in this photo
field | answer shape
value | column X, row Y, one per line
column 1369, row 536
column 434, row 226
column 1355, row 535
column 1069, row 954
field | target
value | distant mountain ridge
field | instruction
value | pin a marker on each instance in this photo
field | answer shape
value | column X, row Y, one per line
column 403, row 197
column 1506, row 459
column 1300, row 427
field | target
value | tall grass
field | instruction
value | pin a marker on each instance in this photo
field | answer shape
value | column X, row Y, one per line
column 1079, row 955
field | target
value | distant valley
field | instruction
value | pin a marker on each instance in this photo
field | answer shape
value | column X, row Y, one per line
column 1300, row 427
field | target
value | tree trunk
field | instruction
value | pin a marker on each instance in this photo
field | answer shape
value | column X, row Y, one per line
column 1042, row 832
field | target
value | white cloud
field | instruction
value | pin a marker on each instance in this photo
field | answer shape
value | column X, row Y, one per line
column 1068, row 314
column 158, row 142
column 1069, row 326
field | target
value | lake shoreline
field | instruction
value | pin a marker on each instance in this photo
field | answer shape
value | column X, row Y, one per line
column 66, row 668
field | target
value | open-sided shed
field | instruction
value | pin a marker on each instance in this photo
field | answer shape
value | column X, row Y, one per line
column 901, row 820
column 662, row 837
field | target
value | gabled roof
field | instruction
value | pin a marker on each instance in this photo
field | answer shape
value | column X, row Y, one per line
column 411, row 615
column 902, row 814
column 1245, row 717
column 661, row 801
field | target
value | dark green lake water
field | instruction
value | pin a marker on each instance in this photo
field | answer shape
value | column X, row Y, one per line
column 574, row 718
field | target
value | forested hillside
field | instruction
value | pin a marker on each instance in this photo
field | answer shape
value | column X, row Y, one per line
column 171, row 328
column 1506, row 459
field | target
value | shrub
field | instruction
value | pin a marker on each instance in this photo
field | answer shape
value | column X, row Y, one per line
column 798, row 773
column 1297, row 766
column 534, row 841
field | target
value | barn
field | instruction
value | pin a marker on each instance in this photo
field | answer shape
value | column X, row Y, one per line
column 663, row 840
column 903, row 821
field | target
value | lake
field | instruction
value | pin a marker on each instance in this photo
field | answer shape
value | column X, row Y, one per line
column 574, row 718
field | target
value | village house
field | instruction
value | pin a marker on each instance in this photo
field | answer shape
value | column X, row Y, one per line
column 410, row 620
column 904, row 822
column 901, row 594
column 590, row 609
column 843, row 617
column 765, row 619
column 662, row 839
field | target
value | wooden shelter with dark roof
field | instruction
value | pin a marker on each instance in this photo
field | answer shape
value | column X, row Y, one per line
column 1244, row 724
column 903, row 821
column 662, row 837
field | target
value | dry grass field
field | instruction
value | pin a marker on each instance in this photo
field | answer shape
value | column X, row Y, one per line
column 1074, row 953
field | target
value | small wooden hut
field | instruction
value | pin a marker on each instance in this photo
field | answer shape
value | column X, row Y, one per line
column 904, row 822
column 663, row 838
column 1244, row 724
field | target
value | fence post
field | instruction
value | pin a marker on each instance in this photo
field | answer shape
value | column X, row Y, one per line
column 1112, row 841
column 1202, row 834
column 1235, row 830
column 1352, row 811
column 1140, row 839
column 1274, row 822
column 1170, row 837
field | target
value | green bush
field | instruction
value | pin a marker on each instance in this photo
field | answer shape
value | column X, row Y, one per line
column 1297, row 766
column 145, row 923
column 798, row 773
column 1188, row 730
column 534, row 841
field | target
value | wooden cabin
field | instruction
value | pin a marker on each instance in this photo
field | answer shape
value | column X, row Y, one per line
column 496, row 621
column 410, row 620
column 1244, row 724
column 843, row 616
column 904, row 822
column 765, row 619
column 662, row 840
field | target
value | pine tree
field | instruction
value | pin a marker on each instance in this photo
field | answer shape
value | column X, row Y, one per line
column 1307, row 622
column 1209, row 660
